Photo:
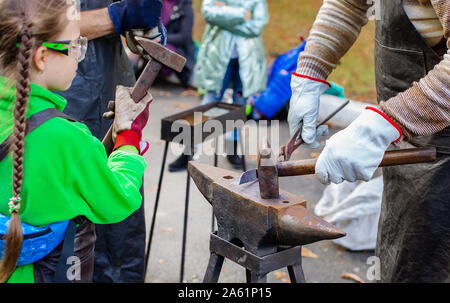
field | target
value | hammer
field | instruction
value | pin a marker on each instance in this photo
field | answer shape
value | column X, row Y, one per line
column 269, row 169
column 158, row 56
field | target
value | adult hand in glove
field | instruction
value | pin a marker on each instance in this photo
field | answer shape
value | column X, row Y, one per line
column 130, row 118
column 135, row 14
column 356, row 152
column 304, row 108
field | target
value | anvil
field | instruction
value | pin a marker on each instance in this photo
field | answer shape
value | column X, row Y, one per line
column 260, row 225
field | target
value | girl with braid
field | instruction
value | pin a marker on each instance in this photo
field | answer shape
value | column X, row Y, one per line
column 57, row 171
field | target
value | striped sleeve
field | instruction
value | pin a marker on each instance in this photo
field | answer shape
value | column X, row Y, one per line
column 333, row 33
column 423, row 109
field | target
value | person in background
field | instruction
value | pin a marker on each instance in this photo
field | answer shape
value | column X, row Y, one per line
column 231, row 53
column 120, row 248
column 178, row 18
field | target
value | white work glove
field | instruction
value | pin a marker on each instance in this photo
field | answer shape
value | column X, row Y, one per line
column 304, row 108
column 356, row 152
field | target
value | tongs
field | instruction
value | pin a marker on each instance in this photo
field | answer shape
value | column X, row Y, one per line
column 286, row 150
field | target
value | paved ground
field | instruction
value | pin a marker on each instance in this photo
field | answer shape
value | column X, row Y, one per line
column 165, row 258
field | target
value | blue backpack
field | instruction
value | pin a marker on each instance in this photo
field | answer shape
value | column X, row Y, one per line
column 39, row 242
column 278, row 90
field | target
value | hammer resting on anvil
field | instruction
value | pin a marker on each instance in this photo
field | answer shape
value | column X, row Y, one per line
column 158, row 55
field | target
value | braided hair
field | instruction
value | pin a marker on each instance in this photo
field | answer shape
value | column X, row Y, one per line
column 23, row 23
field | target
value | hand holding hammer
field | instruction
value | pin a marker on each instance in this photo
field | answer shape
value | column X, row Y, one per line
column 158, row 56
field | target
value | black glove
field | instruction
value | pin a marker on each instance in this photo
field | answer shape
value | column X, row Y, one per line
column 135, row 14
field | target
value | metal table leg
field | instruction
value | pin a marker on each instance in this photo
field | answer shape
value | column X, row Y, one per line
column 186, row 211
column 150, row 236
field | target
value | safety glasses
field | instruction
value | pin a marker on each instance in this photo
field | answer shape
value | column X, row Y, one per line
column 75, row 48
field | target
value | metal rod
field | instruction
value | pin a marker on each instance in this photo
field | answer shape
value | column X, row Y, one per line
column 186, row 211
column 241, row 141
column 155, row 210
column 334, row 113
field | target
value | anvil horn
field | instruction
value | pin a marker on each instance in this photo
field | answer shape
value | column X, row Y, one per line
column 242, row 214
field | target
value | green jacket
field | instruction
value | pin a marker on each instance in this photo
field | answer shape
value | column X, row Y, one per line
column 226, row 28
column 66, row 171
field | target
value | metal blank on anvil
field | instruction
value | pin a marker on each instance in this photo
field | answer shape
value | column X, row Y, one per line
column 259, row 224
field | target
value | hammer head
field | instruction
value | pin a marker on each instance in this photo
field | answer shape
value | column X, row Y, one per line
column 267, row 173
column 162, row 54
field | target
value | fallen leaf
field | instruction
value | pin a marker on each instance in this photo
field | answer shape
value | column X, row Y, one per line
column 279, row 275
column 152, row 189
column 308, row 254
column 166, row 230
column 315, row 155
column 339, row 252
column 180, row 105
column 190, row 92
column 286, row 280
column 351, row 276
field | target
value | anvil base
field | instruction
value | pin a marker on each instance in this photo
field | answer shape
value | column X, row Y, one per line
column 256, row 267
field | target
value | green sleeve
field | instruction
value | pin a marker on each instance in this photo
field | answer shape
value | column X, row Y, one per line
column 109, row 187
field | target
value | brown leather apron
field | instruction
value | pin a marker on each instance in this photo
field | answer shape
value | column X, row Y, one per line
column 413, row 241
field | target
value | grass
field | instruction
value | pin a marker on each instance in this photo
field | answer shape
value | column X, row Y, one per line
column 291, row 18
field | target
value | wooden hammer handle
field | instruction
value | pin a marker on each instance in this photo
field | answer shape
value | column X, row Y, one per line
column 391, row 158
column 139, row 91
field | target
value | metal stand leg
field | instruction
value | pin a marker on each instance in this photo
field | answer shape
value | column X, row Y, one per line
column 296, row 273
column 256, row 267
column 214, row 267
column 186, row 210
column 254, row 277
column 150, row 235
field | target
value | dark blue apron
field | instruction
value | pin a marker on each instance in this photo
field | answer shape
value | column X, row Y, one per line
column 120, row 248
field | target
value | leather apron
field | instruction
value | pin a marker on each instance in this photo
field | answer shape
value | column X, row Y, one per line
column 413, row 241
column 44, row 269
